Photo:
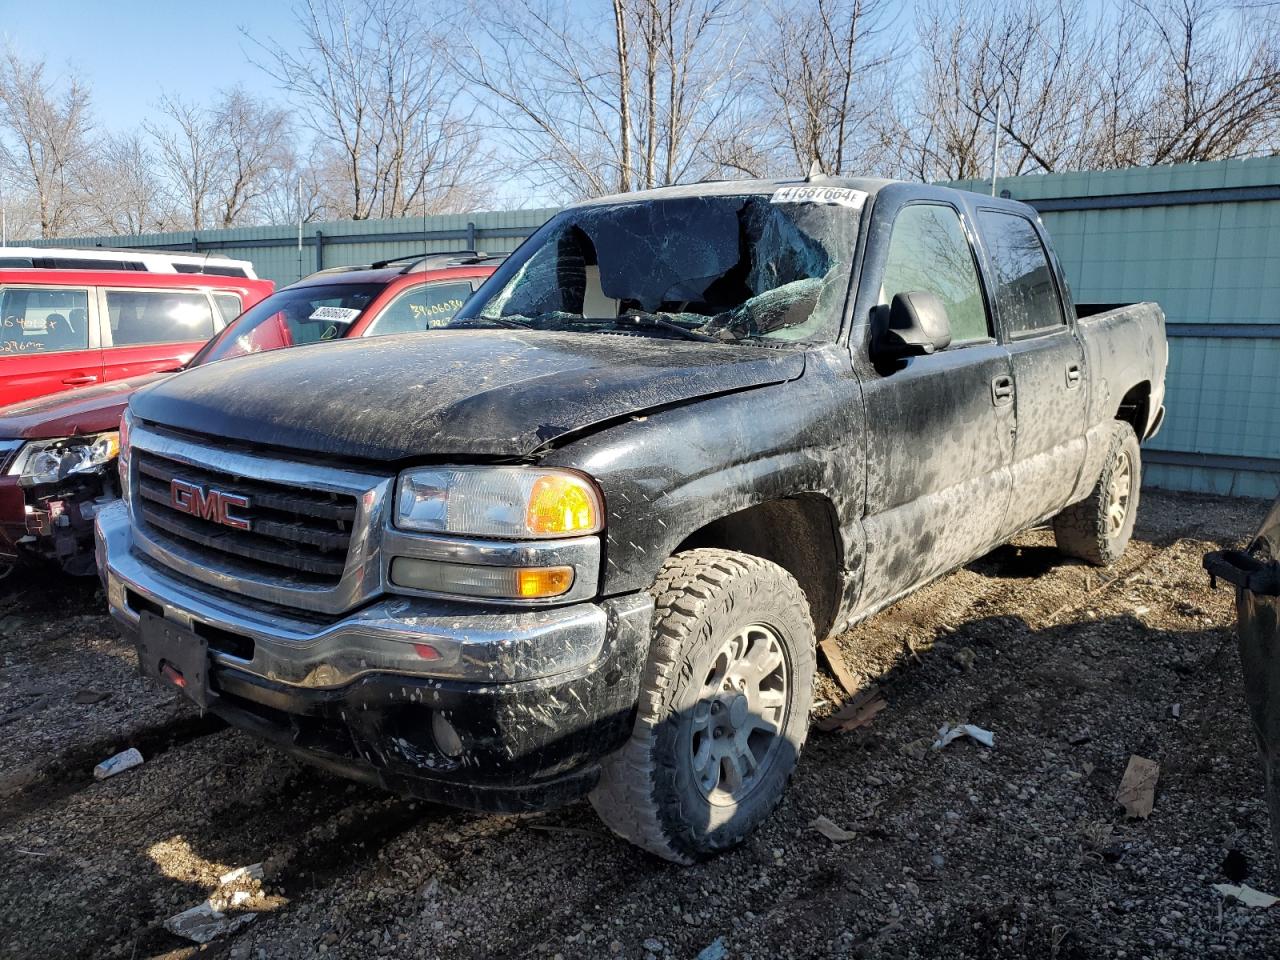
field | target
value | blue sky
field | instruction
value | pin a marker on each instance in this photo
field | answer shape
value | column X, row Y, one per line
column 129, row 51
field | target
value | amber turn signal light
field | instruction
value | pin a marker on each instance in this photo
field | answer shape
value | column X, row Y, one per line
column 537, row 582
column 561, row 503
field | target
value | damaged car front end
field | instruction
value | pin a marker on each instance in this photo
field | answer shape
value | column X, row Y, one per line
column 53, row 482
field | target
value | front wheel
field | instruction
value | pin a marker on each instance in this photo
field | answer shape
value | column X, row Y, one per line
column 724, row 707
column 1098, row 529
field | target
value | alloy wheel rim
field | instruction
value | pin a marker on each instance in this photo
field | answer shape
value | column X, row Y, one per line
column 740, row 714
column 1118, row 494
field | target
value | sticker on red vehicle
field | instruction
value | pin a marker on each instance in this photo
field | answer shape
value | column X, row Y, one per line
column 335, row 314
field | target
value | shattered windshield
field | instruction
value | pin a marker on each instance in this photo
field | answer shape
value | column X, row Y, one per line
column 717, row 268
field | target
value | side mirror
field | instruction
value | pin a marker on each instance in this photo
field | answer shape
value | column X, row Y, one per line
column 915, row 323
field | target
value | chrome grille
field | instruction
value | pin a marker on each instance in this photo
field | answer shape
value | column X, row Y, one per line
column 299, row 533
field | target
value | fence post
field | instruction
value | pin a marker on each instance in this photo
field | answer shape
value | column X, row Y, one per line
column 195, row 244
column 319, row 250
column 471, row 236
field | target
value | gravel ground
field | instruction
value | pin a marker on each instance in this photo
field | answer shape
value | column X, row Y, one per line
column 967, row 852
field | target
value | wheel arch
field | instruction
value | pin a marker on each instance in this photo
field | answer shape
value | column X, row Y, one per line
column 1135, row 408
column 799, row 533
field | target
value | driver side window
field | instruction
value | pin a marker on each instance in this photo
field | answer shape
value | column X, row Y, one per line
column 928, row 251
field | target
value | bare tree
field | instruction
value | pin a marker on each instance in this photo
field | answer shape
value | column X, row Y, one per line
column 1158, row 81
column 190, row 149
column 1218, row 82
column 824, row 77
column 254, row 145
column 1042, row 82
column 592, row 106
column 297, row 190
column 374, row 89
column 944, row 130
column 121, row 192
column 49, row 133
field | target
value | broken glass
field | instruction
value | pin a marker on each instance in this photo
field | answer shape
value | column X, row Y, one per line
column 724, row 268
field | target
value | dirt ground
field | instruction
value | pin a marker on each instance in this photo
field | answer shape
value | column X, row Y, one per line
column 1014, row 851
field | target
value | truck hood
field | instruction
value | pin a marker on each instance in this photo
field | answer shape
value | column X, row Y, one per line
column 72, row 412
column 485, row 393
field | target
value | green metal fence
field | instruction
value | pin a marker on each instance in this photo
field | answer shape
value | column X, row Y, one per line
column 1204, row 241
column 1201, row 239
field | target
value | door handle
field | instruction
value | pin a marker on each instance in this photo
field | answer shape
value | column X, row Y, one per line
column 80, row 381
column 1002, row 391
column 1073, row 376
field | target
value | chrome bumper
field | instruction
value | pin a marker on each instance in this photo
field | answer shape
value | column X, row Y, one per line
column 470, row 642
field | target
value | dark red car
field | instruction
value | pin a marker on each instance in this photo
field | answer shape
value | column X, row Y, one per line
column 61, row 329
column 57, row 453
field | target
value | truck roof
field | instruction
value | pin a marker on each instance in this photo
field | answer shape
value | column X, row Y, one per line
column 724, row 188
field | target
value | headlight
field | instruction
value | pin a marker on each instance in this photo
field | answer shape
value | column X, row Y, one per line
column 48, row 461
column 514, row 503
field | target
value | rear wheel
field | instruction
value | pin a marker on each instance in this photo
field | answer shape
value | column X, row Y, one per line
column 724, row 707
column 1097, row 530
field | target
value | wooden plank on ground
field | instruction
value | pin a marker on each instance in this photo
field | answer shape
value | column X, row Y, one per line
column 835, row 660
column 858, row 712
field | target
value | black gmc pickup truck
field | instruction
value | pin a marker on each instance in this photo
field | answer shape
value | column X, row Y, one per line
column 583, row 539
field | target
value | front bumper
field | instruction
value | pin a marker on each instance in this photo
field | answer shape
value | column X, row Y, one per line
column 535, row 697
column 13, row 518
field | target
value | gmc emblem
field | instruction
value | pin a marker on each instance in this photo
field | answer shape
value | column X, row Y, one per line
column 207, row 503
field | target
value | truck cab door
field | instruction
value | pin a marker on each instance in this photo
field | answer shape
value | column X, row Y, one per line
column 939, row 427
column 1050, row 387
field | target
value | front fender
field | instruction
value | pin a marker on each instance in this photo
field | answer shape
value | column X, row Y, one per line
column 668, row 475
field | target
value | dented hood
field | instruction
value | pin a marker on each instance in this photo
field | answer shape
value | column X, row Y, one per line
column 72, row 412
column 458, row 393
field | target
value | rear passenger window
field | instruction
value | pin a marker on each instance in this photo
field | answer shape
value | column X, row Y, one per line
column 1026, row 295
column 421, row 308
column 929, row 251
column 158, row 316
column 43, row 320
column 229, row 306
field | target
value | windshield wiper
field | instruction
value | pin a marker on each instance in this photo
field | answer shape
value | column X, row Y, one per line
column 508, row 322
column 649, row 322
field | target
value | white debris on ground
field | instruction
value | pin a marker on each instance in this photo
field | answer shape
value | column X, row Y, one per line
column 237, row 902
column 121, row 762
column 1137, row 792
column 1247, row 895
column 948, row 733
column 251, row 872
column 210, row 919
column 832, row 831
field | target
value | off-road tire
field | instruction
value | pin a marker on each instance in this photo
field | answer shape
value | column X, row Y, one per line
column 1083, row 530
column 647, row 791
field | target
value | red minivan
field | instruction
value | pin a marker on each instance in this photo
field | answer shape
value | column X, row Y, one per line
column 61, row 329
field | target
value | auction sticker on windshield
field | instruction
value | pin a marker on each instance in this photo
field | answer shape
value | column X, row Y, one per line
column 836, row 196
column 338, row 314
